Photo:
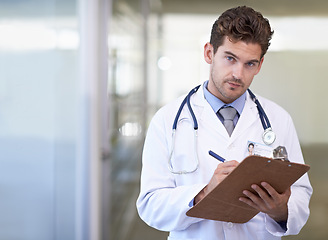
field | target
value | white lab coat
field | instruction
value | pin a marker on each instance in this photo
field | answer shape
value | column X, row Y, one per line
column 165, row 197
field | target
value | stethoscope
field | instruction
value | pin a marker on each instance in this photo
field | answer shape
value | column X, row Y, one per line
column 268, row 135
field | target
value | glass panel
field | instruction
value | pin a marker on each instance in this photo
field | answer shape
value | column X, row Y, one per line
column 38, row 82
column 126, row 93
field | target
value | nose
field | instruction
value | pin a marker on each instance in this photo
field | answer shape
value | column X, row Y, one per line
column 238, row 71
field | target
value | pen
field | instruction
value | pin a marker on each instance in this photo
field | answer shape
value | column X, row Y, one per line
column 213, row 154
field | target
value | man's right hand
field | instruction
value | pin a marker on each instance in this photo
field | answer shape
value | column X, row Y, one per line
column 220, row 173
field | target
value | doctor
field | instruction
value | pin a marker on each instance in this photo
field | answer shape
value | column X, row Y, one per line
column 239, row 40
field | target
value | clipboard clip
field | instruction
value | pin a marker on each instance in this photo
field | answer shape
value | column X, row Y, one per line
column 280, row 153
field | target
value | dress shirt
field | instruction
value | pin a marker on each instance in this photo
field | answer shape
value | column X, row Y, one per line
column 216, row 103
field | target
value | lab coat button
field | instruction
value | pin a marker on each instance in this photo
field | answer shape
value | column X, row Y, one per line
column 229, row 224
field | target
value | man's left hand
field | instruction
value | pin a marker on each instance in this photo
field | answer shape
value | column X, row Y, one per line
column 268, row 200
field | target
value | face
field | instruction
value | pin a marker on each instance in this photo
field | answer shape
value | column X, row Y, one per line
column 232, row 68
column 250, row 148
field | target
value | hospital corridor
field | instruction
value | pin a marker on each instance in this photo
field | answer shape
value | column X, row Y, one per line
column 80, row 82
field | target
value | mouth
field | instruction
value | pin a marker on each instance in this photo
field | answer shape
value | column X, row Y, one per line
column 234, row 84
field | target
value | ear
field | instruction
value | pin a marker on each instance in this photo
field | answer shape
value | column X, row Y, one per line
column 260, row 65
column 208, row 53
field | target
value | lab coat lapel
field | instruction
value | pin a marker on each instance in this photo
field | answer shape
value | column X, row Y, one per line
column 206, row 114
column 247, row 118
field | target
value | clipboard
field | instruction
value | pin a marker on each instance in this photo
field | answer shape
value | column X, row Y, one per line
column 222, row 203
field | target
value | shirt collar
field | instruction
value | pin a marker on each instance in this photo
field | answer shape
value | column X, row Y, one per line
column 216, row 103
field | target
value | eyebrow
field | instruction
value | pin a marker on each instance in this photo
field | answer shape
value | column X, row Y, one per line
column 235, row 56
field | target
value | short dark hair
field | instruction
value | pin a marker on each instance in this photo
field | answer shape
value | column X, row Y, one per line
column 242, row 24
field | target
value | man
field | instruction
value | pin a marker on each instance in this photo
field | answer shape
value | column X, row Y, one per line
column 239, row 40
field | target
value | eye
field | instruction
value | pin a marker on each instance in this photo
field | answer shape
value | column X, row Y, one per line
column 250, row 64
column 229, row 58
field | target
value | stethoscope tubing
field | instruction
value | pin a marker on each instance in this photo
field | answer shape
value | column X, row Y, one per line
column 186, row 100
column 263, row 117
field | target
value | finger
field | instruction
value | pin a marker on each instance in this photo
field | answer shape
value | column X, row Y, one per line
column 270, row 190
column 232, row 163
column 262, row 194
column 256, row 201
column 223, row 171
column 249, row 202
column 288, row 192
column 253, row 197
column 226, row 167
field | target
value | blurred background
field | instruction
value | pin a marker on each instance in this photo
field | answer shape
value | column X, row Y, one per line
column 80, row 81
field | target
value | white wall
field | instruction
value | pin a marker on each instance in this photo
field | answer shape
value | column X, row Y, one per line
column 298, row 82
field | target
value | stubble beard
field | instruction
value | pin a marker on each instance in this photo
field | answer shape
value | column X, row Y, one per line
column 223, row 93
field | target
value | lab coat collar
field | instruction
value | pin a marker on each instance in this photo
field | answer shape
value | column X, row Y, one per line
column 204, row 112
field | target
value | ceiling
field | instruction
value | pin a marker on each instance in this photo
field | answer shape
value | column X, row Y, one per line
column 34, row 8
column 266, row 7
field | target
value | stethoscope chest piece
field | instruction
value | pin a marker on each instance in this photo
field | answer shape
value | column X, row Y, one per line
column 268, row 136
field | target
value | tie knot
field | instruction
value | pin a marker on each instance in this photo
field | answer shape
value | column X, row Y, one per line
column 228, row 113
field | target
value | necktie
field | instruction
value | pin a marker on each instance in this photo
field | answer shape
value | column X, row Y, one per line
column 228, row 115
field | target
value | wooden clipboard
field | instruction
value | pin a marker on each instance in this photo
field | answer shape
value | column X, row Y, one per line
column 222, row 203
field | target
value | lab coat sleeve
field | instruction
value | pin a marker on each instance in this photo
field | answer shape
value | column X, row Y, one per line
column 301, row 190
column 161, row 203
